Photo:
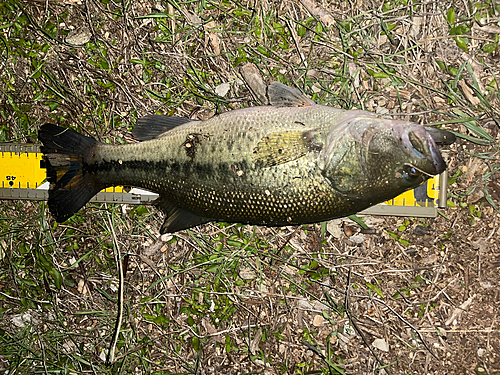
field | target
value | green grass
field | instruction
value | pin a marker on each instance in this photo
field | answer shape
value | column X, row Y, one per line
column 228, row 297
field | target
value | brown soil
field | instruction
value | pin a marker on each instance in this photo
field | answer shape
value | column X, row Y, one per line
column 426, row 306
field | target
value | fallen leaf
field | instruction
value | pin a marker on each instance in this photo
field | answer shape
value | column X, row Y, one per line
column 381, row 344
column 212, row 37
column 212, row 332
column 253, row 78
column 254, row 345
column 318, row 320
column 192, row 18
column 222, row 89
column 333, row 227
column 318, row 11
column 247, row 273
column 468, row 93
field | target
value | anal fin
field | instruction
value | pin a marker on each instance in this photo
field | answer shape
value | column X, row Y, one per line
column 178, row 218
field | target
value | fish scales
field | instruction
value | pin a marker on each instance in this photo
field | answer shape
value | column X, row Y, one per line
column 293, row 162
column 220, row 178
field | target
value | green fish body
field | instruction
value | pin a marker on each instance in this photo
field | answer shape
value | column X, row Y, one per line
column 293, row 162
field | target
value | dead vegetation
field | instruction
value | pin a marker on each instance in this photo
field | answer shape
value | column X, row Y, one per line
column 410, row 295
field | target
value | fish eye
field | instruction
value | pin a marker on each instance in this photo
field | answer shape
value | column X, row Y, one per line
column 411, row 171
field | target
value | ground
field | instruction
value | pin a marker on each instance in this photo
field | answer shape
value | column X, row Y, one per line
column 405, row 296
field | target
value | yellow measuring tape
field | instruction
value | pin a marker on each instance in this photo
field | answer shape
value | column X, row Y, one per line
column 20, row 167
column 22, row 176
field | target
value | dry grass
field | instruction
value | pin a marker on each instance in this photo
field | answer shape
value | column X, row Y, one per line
column 234, row 299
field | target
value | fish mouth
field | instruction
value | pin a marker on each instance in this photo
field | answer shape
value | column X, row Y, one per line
column 418, row 144
column 423, row 150
column 440, row 136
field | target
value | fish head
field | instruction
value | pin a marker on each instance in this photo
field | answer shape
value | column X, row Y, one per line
column 373, row 159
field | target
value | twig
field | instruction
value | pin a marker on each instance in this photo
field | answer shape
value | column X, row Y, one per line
column 354, row 324
column 401, row 319
column 110, row 358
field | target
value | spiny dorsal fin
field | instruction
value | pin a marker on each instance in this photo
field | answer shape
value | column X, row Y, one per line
column 281, row 95
column 153, row 126
column 281, row 147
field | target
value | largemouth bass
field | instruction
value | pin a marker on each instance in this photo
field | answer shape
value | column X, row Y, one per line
column 292, row 162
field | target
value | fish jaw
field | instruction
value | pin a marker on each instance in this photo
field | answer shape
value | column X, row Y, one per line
column 374, row 159
column 420, row 141
column 417, row 146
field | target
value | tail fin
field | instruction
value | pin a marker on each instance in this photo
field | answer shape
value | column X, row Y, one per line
column 66, row 153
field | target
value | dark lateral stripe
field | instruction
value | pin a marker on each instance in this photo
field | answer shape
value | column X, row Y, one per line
column 180, row 170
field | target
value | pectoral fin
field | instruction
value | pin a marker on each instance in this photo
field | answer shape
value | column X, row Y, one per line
column 281, row 95
column 281, row 147
column 177, row 218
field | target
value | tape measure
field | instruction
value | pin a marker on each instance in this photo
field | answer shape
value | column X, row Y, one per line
column 22, row 176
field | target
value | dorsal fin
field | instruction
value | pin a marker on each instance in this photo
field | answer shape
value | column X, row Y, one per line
column 153, row 126
column 281, row 147
column 281, row 95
